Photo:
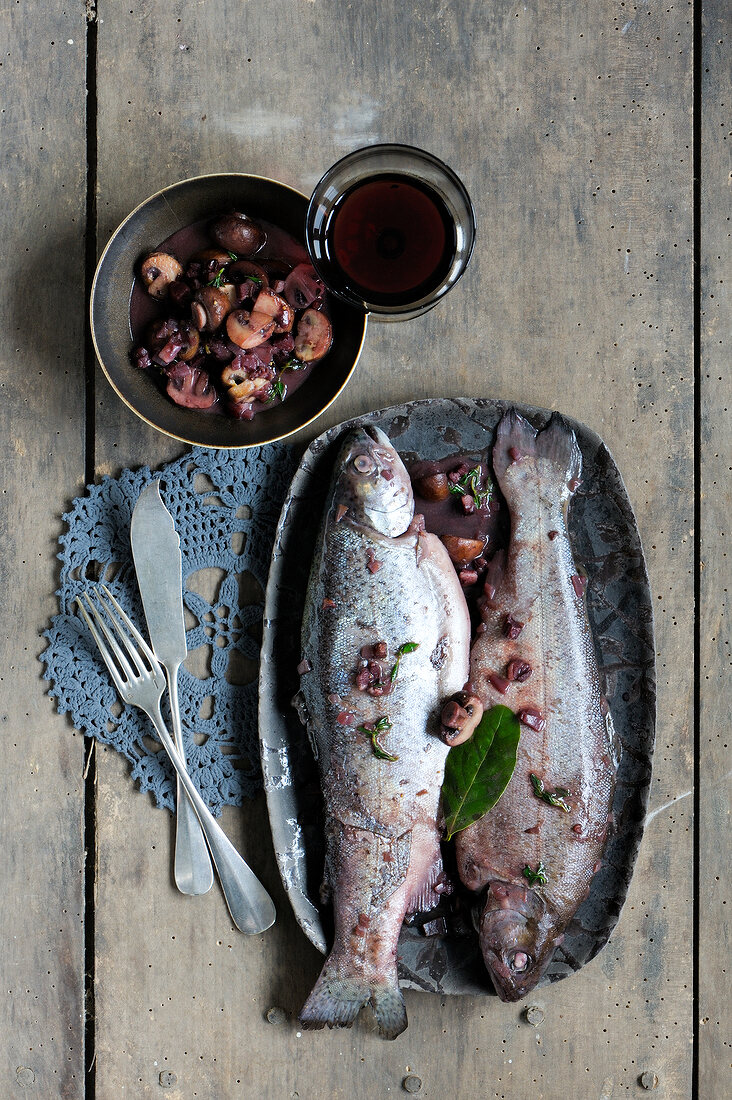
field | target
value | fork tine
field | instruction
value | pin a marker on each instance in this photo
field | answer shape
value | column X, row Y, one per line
column 101, row 645
column 113, row 633
column 150, row 656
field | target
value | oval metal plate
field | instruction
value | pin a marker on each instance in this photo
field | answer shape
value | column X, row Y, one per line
column 605, row 540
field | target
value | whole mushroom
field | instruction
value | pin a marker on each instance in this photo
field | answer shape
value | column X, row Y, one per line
column 238, row 233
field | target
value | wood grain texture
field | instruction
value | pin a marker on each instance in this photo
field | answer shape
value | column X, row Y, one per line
column 571, row 126
column 715, row 788
column 43, row 199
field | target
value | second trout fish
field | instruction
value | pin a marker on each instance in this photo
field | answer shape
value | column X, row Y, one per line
column 535, row 853
column 385, row 639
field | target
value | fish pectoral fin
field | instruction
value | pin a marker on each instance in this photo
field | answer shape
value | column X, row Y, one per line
column 430, row 892
column 298, row 702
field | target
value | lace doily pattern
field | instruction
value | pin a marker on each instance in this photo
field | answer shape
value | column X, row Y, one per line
column 225, row 505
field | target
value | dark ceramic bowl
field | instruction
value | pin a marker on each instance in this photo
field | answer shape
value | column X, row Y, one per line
column 148, row 226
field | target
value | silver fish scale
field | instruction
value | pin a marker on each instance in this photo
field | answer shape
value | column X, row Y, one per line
column 576, row 750
column 396, row 605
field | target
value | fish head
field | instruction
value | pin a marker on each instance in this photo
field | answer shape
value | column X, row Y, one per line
column 519, row 932
column 372, row 483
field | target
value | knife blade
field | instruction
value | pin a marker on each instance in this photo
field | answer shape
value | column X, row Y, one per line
column 159, row 568
column 158, row 564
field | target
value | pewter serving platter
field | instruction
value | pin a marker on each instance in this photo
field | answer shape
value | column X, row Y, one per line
column 606, row 543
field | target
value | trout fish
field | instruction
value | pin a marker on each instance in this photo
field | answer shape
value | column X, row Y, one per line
column 385, row 638
column 536, row 852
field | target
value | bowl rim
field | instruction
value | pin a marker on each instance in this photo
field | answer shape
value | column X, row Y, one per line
column 93, row 295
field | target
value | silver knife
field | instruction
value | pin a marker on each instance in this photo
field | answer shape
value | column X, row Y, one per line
column 157, row 557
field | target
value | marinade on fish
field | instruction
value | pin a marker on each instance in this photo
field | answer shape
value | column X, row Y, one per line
column 536, row 851
column 385, row 639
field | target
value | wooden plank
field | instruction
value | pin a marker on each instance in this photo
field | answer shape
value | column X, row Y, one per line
column 715, row 897
column 571, row 127
column 43, row 197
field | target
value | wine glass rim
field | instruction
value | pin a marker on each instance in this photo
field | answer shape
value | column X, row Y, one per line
column 318, row 204
column 365, row 151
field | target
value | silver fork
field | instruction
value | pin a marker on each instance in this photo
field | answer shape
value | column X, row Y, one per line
column 140, row 680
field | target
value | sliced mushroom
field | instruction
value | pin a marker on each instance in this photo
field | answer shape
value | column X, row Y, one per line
column 314, row 336
column 211, row 304
column 158, row 271
column 190, row 387
column 241, row 387
column 191, row 341
column 277, row 308
column 246, row 330
column 302, row 286
column 460, row 717
column 239, row 234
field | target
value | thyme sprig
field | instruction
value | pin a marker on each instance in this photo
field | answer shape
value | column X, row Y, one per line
column 373, row 730
column 557, row 797
column 537, row 877
column 218, row 279
column 408, row 647
column 279, row 386
column 279, row 389
column 469, row 485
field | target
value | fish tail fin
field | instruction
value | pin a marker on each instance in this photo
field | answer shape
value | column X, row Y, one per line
column 389, row 1009
column 336, row 1000
column 557, row 443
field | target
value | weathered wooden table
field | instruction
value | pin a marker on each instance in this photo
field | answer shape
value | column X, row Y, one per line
column 592, row 138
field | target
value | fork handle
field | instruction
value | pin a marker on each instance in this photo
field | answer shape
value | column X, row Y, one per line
column 252, row 909
column 192, row 865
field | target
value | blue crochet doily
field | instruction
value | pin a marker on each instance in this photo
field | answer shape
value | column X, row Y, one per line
column 225, row 505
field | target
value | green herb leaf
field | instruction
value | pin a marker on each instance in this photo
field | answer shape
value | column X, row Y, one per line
column 279, row 389
column 537, row 877
column 477, row 772
column 373, row 730
column 232, row 256
column 407, row 647
column 380, row 752
column 218, row 278
column 552, row 798
column 469, row 485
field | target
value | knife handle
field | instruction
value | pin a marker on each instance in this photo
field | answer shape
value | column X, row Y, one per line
column 192, row 865
column 252, row 909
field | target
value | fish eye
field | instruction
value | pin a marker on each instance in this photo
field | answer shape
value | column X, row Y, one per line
column 364, row 464
column 519, row 961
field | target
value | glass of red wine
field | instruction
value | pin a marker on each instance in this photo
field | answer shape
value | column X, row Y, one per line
column 390, row 229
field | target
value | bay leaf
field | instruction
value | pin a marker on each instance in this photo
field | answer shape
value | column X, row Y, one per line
column 477, row 772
